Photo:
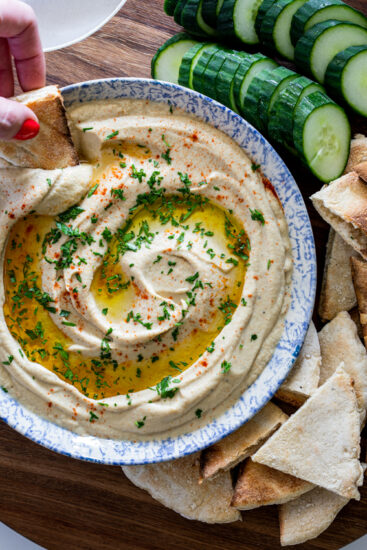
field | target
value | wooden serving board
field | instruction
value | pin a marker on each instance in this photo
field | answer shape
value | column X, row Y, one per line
column 62, row 503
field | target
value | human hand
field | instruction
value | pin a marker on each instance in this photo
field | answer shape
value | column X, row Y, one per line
column 19, row 39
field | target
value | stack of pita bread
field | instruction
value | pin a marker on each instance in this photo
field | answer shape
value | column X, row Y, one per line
column 307, row 463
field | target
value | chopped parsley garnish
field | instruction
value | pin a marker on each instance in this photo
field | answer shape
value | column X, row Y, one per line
column 253, row 336
column 225, row 365
column 255, row 167
column 164, row 390
column 140, row 423
column 136, row 317
column 198, row 413
column 257, row 216
column 92, row 190
column 112, row 135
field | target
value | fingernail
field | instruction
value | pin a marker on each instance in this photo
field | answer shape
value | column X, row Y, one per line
column 29, row 130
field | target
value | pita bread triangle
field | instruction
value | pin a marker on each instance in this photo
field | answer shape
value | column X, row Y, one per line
column 340, row 342
column 308, row 516
column 175, row 484
column 320, row 442
column 242, row 443
column 258, row 485
column 359, row 274
column 304, row 377
column 52, row 147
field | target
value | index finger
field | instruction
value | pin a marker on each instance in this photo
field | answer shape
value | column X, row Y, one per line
column 19, row 25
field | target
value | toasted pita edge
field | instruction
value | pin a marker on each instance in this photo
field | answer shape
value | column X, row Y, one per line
column 361, row 170
column 358, row 152
column 258, row 485
column 52, row 147
column 359, row 275
column 237, row 446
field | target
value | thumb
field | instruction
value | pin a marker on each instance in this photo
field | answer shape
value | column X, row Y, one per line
column 13, row 115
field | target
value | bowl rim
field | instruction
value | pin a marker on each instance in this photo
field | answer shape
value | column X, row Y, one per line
column 93, row 448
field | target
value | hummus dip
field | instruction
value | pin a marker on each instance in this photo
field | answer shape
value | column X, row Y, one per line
column 143, row 290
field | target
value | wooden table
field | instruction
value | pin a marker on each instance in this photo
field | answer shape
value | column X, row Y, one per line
column 62, row 503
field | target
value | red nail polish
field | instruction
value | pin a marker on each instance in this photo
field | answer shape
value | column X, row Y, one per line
column 29, row 130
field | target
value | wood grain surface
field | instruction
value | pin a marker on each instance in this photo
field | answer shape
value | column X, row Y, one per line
column 62, row 503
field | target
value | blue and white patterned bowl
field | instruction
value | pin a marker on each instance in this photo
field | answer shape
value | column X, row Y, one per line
column 110, row 451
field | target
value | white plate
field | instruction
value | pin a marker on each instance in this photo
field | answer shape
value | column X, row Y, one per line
column 64, row 22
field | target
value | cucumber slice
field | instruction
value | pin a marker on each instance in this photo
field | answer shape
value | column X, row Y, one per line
column 346, row 76
column 167, row 60
column 237, row 17
column 252, row 99
column 317, row 11
column 263, row 8
column 224, row 83
column 249, row 68
column 275, row 31
column 317, row 47
column 280, row 125
column 277, row 80
column 189, row 62
column 210, row 11
column 321, row 135
column 192, row 18
column 177, row 14
column 169, row 6
column 200, row 67
column 210, row 72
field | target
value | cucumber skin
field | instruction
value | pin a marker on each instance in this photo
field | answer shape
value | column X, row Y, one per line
column 224, row 80
column 266, row 4
column 169, row 6
column 266, row 91
column 225, row 23
column 205, row 58
column 252, row 98
column 177, row 14
column 303, row 111
column 268, row 23
column 306, row 11
column 280, row 126
column 304, row 46
column 209, row 12
column 242, row 71
column 189, row 17
column 176, row 38
column 210, row 72
column 334, row 73
column 185, row 67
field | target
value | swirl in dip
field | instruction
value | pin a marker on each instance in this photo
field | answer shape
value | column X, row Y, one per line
column 145, row 289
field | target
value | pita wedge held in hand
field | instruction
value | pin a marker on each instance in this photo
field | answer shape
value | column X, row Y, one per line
column 175, row 484
column 258, row 485
column 337, row 291
column 339, row 342
column 53, row 146
column 343, row 204
column 320, row 443
column 242, row 443
column 304, row 377
column 359, row 274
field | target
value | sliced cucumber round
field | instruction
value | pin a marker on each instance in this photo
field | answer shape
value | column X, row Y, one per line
column 237, row 17
column 280, row 125
column 189, row 62
column 317, row 47
column 263, row 8
column 210, row 72
column 346, row 77
column 209, row 12
column 169, row 6
column 192, row 19
column 275, row 31
column 249, row 68
column 278, row 79
column 200, row 66
column 251, row 100
column 225, row 81
column 177, row 14
column 317, row 11
column 167, row 60
column 321, row 135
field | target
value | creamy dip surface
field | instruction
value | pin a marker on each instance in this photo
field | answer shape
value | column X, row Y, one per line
column 145, row 289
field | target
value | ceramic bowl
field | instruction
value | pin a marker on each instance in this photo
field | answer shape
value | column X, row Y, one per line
column 110, row 451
